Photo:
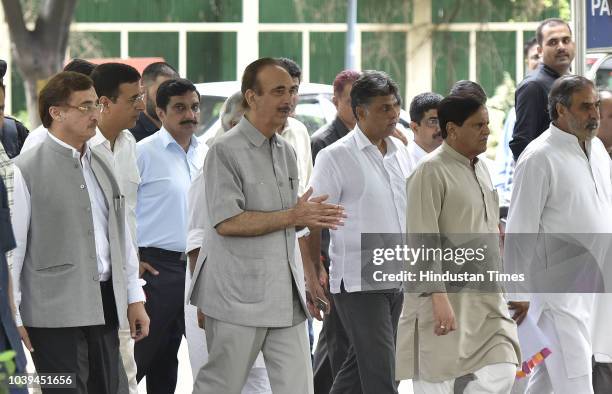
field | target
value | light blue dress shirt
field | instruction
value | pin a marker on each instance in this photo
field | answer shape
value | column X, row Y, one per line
column 166, row 172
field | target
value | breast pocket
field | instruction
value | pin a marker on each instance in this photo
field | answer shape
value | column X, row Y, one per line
column 262, row 196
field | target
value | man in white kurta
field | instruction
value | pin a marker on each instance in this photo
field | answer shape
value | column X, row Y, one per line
column 562, row 190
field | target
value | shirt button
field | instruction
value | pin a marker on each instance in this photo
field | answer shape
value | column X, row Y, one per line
column 82, row 186
column 280, row 184
column 96, row 277
column 88, row 209
column 93, row 256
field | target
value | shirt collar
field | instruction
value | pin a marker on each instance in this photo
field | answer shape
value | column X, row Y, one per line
column 255, row 136
column 166, row 139
column 98, row 139
column 146, row 123
column 287, row 126
column 363, row 142
column 416, row 149
column 340, row 128
column 546, row 69
column 566, row 137
column 458, row 156
column 75, row 153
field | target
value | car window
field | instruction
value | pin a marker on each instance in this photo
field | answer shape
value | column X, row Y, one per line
column 210, row 106
column 603, row 77
column 312, row 111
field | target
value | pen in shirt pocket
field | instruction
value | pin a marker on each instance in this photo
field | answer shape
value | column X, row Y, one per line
column 291, row 182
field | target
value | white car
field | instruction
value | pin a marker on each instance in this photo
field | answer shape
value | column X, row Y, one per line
column 314, row 108
column 599, row 69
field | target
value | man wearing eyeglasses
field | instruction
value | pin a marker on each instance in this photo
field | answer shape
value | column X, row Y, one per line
column 168, row 161
column 75, row 267
column 120, row 93
column 425, row 126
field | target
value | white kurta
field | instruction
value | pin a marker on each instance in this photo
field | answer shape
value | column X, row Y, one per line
column 558, row 189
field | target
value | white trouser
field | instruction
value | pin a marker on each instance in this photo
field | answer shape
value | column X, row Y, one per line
column 490, row 379
column 257, row 380
column 551, row 375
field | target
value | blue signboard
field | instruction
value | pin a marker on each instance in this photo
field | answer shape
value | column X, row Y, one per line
column 598, row 24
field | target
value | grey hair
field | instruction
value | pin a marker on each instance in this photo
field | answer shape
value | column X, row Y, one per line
column 232, row 108
column 562, row 91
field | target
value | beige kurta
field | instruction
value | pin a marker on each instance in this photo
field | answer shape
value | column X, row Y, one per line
column 446, row 195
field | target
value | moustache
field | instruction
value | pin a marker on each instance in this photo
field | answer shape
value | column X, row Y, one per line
column 592, row 124
column 437, row 135
column 193, row 122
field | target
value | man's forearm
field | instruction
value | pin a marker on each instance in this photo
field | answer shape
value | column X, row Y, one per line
column 193, row 258
column 253, row 223
column 310, row 246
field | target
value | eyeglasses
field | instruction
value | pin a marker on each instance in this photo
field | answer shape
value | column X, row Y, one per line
column 134, row 100
column 87, row 108
column 432, row 122
column 181, row 109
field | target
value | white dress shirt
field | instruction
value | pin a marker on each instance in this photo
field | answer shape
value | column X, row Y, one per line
column 35, row 137
column 123, row 157
column 416, row 153
column 297, row 135
column 21, row 226
column 372, row 189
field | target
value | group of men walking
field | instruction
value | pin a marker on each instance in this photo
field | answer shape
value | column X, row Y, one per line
column 112, row 237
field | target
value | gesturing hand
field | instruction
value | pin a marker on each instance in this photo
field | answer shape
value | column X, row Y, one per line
column 314, row 212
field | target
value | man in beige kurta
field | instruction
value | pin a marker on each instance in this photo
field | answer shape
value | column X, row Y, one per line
column 448, row 339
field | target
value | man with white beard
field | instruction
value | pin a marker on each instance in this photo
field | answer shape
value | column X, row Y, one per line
column 563, row 193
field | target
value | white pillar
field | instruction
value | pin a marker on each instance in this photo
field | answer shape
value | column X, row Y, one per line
column 305, row 55
column 247, row 36
column 419, row 60
column 473, row 75
column 5, row 54
column 579, row 30
column 182, row 53
column 518, row 53
column 124, row 44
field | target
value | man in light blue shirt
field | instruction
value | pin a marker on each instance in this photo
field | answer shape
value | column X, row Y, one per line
column 168, row 161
